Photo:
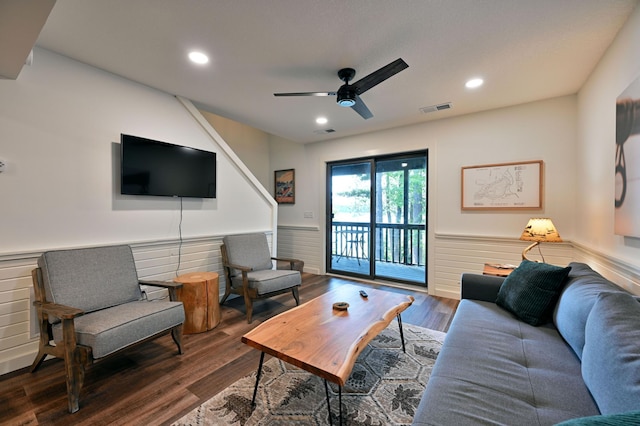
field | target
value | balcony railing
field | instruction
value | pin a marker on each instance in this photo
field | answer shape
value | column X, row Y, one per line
column 395, row 243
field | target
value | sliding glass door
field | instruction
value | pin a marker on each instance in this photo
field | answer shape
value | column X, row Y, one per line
column 349, row 186
column 377, row 227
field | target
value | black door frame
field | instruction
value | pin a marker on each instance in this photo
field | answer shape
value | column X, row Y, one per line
column 372, row 215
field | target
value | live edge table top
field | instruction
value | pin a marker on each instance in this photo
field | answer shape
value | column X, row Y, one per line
column 325, row 341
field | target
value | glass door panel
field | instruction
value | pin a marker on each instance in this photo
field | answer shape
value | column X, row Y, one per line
column 349, row 211
column 400, row 218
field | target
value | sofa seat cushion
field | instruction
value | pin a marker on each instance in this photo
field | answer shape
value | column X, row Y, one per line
column 270, row 280
column 576, row 300
column 611, row 355
column 493, row 369
column 111, row 329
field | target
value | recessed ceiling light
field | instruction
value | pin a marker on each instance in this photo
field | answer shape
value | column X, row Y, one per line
column 198, row 57
column 321, row 120
column 474, row 82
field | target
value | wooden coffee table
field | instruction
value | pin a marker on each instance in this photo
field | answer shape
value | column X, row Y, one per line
column 325, row 341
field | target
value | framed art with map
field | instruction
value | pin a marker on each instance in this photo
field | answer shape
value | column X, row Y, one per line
column 507, row 186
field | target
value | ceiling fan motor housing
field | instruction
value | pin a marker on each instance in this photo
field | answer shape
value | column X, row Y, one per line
column 346, row 96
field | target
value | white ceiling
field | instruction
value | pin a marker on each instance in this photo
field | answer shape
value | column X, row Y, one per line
column 525, row 50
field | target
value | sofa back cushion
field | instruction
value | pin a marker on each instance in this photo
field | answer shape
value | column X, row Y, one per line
column 611, row 354
column 90, row 279
column 576, row 300
column 250, row 250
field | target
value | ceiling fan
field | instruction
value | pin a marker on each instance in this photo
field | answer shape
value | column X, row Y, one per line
column 348, row 95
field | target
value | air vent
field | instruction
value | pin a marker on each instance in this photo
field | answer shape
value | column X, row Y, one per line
column 323, row 131
column 434, row 108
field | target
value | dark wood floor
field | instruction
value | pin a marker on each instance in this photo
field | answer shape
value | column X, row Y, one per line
column 151, row 385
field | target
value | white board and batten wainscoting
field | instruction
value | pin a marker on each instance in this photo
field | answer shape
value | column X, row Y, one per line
column 452, row 255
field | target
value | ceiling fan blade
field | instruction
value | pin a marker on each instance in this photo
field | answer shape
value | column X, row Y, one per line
column 306, row 94
column 379, row 76
column 361, row 108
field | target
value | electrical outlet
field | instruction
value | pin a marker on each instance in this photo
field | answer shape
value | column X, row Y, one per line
column 3, row 166
column 308, row 215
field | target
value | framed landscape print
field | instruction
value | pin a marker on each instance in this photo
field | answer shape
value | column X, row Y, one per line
column 285, row 186
column 507, row 186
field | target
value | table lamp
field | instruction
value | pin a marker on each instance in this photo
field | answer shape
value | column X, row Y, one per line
column 539, row 230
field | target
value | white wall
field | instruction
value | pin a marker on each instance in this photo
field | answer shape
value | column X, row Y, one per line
column 543, row 130
column 536, row 131
column 60, row 126
column 250, row 144
column 573, row 135
column 596, row 146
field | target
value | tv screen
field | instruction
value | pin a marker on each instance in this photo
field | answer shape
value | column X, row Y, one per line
column 157, row 168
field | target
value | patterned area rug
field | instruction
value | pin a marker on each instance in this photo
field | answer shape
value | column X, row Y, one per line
column 384, row 388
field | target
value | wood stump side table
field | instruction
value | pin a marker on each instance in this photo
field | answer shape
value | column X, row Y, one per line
column 200, row 296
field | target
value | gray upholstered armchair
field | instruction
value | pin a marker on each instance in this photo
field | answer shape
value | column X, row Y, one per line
column 249, row 272
column 90, row 306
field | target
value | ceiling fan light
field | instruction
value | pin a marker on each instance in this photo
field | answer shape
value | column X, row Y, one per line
column 346, row 102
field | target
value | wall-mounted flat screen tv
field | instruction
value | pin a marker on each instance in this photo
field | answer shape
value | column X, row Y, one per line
column 152, row 167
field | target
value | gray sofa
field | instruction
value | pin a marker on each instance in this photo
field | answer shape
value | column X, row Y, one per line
column 496, row 369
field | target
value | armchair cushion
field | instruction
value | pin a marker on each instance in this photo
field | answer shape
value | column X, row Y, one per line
column 90, row 279
column 108, row 330
column 268, row 281
column 250, row 250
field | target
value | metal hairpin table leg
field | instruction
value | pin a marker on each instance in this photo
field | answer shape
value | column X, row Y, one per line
column 401, row 334
column 255, row 390
column 340, row 402
column 326, row 390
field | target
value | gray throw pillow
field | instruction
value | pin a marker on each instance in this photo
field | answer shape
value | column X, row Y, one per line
column 611, row 354
column 531, row 291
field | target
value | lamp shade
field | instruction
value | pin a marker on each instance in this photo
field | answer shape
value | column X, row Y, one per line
column 540, row 230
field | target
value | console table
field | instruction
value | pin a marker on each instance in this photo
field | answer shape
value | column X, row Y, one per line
column 498, row 270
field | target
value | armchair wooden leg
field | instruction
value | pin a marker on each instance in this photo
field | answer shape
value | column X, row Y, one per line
column 38, row 361
column 226, row 294
column 294, row 290
column 74, row 367
column 176, row 333
column 44, row 348
column 249, row 306
column 75, row 377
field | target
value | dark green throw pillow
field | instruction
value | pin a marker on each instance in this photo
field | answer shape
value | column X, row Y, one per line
column 531, row 291
column 622, row 419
